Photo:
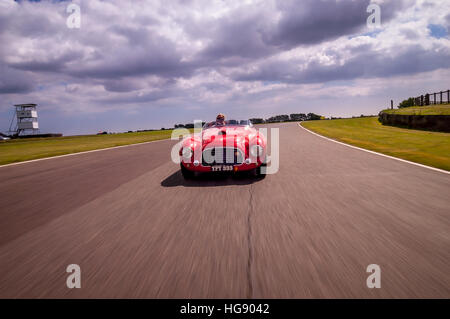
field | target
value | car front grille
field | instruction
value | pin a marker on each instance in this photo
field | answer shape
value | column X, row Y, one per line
column 222, row 156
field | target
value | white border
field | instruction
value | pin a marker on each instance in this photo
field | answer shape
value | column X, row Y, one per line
column 380, row 154
column 83, row 152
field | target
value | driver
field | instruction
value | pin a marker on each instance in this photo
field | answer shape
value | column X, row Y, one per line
column 220, row 119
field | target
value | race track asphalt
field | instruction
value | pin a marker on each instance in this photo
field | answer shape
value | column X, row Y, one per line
column 137, row 229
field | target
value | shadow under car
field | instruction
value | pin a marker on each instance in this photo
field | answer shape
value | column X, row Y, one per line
column 211, row 179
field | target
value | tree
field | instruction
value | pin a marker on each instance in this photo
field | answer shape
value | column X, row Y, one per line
column 257, row 120
column 278, row 118
column 298, row 117
column 406, row 103
column 313, row 117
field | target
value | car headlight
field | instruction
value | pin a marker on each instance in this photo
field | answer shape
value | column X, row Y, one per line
column 256, row 150
column 186, row 152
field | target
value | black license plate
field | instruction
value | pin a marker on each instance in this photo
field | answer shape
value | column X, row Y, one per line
column 222, row 168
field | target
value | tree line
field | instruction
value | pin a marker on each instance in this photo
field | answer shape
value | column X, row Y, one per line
column 288, row 118
column 426, row 99
column 273, row 119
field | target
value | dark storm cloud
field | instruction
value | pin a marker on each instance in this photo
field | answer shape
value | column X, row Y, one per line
column 121, row 49
column 48, row 63
column 312, row 21
column 410, row 33
column 13, row 81
column 370, row 64
column 447, row 22
column 129, row 84
column 189, row 57
column 241, row 36
column 136, row 36
column 139, row 98
column 145, row 53
column 122, row 85
column 137, row 63
column 237, row 38
column 28, row 23
column 115, row 50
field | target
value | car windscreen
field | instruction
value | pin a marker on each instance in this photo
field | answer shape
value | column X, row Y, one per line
column 228, row 123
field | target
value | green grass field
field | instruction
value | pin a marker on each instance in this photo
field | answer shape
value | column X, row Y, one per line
column 424, row 147
column 443, row 109
column 19, row 150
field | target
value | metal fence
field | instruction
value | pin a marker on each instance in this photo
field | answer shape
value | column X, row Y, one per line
column 433, row 98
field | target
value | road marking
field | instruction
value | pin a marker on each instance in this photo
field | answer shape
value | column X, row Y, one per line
column 79, row 153
column 372, row 152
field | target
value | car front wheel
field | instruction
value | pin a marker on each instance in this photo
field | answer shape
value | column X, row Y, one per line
column 187, row 174
column 257, row 172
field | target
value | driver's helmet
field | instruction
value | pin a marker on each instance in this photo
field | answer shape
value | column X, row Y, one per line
column 220, row 119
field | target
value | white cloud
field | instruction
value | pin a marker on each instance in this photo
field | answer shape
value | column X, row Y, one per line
column 198, row 56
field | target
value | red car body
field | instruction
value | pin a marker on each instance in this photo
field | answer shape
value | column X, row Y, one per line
column 223, row 148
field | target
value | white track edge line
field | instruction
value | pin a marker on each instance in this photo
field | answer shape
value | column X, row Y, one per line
column 79, row 153
column 373, row 152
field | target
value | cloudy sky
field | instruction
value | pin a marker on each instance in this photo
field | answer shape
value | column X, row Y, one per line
column 150, row 64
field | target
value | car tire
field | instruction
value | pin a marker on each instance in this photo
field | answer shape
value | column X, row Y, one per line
column 264, row 163
column 256, row 172
column 187, row 174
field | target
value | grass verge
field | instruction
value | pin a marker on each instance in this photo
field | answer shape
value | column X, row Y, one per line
column 18, row 150
column 424, row 147
column 443, row 109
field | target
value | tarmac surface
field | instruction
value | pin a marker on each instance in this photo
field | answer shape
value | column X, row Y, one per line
column 137, row 229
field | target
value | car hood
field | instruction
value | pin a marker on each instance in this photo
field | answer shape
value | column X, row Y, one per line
column 226, row 136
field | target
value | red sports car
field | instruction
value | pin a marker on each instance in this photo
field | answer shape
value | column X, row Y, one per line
column 232, row 146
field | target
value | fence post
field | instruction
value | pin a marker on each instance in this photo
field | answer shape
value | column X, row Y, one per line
column 434, row 98
column 392, row 104
column 421, row 100
column 427, row 99
column 448, row 96
column 441, row 96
